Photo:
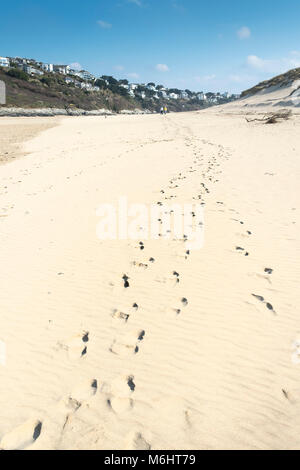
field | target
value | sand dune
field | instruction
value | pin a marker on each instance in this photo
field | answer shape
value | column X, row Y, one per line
column 271, row 98
column 200, row 349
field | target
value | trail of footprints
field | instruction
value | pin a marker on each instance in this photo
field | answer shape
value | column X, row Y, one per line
column 119, row 395
column 267, row 271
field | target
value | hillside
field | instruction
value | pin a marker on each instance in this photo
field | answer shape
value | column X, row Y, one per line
column 52, row 91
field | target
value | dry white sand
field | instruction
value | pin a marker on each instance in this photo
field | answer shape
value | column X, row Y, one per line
column 222, row 373
column 269, row 99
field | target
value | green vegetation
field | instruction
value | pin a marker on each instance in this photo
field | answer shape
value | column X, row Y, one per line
column 16, row 73
column 51, row 91
column 60, row 91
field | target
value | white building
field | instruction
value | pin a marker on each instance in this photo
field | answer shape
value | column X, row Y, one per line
column 184, row 95
column 164, row 94
column 84, row 75
column 87, row 86
column 69, row 80
column 63, row 69
column 47, row 67
column 142, row 94
column 201, row 96
column 4, row 62
column 32, row 70
column 173, row 96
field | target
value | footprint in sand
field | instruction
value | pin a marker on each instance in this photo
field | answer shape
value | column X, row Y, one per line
column 184, row 303
column 140, row 265
column 83, row 391
column 136, row 441
column 129, row 344
column 268, row 270
column 126, row 281
column 118, row 315
column 76, row 346
column 122, row 389
column 240, row 249
column 267, row 304
column 123, row 316
column 23, row 436
column 69, row 405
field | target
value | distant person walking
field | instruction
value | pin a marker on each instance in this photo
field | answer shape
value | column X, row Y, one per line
column 165, row 110
column 162, row 110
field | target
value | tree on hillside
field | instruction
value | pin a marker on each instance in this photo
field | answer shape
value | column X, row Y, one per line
column 16, row 73
column 101, row 84
column 119, row 90
column 110, row 80
column 175, row 90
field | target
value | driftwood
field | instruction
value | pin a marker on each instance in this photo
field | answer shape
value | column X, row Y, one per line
column 273, row 118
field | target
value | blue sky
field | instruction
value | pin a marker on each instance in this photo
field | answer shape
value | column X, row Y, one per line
column 225, row 45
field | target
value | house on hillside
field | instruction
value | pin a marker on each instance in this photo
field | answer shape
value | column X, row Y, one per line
column 63, row 69
column 4, row 62
column 173, row 96
column 47, row 67
column 85, row 75
column 32, row 70
column 69, row 80
column 164, row 94
column 88, row 86
column 151, row 87
column 201, row 96
column 17, row 62
column 142, row 94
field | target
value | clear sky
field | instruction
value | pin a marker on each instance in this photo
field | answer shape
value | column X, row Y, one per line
column 216, row 45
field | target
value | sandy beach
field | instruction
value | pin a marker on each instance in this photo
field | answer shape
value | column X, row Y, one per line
column 15, row 131
column 200, row 350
